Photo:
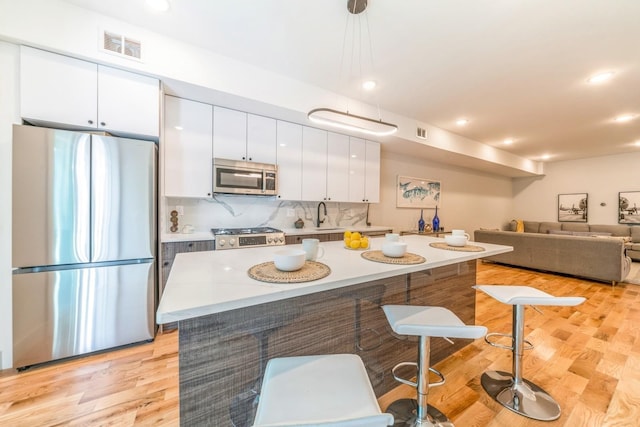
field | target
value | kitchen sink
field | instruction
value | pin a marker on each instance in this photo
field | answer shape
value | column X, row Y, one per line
column 329, row 228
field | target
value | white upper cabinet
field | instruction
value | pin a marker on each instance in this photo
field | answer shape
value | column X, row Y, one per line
column 128, row 102
column 188, row 148
column 364, row 171
column 314, row 164
column 337, row 167
column 61, row 90
column 243, row 137
column 58, row 89
column 289, row 160
column 229, row 134
column 261, row 139
column 372, row 172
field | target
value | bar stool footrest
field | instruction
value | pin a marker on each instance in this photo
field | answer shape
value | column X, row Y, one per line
column 413, row 383
column 404, row 413
column 524, row 398
column 528, row 346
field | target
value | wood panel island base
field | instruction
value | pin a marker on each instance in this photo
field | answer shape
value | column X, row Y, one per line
column 230, row 325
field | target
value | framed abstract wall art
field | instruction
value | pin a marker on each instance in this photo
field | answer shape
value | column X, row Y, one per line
column 417, row 192
column 572, row 207
column 629, row 207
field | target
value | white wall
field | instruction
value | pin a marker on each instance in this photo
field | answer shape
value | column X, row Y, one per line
column 469, row 199
column 8, row 116
column 601, row 178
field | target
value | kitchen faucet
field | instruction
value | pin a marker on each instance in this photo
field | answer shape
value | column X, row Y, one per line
column 325, row 214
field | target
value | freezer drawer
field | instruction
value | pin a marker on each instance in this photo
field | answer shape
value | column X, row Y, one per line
column 57, row 314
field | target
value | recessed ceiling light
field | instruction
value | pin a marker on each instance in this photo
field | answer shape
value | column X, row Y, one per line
column 625, row 118
column 462, row 122
column 546, row 157
column 508, row 141
column 178, row 127
column 637, row 143
column 159, row 5
column 369, row 85
column 600, row 77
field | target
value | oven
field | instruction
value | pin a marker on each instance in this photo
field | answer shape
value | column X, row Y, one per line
column 237, row 238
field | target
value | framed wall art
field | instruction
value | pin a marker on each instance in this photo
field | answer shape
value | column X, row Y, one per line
column 572, row 207
column 417, row 192
column 629, row 207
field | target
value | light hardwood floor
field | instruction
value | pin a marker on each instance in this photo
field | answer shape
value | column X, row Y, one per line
column 587, row 357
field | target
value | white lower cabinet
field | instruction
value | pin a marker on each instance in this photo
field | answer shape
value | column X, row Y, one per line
column 188, row 148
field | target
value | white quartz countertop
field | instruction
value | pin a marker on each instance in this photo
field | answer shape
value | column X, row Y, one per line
column 202, row 283
column 329, row 229
column 207, row 235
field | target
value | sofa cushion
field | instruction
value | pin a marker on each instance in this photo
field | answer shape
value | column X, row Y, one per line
column 561, row 232
column 591, row 234
column 571, row 226
column 635, row 233
column 546, row 226
column 614, row 230
column 625, row 239
column 531, row 226
column 633, row 246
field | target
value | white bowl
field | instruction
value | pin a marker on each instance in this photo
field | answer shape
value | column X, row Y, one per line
column 289, row 259
column 394, row 249
column 455, row 240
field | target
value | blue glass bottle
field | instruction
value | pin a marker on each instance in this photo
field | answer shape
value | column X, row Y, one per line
column 421, row 223
column 436, row 221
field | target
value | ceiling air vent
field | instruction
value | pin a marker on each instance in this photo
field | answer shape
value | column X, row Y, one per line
column 121, row 45
column 421, row 133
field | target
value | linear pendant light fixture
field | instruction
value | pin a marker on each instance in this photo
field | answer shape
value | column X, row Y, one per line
column 346, row 120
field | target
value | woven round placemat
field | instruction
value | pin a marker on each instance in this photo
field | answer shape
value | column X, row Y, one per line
column 378, row 256
column 465, row 248
column 310, row 271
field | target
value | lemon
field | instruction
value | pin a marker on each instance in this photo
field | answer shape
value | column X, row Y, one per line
column 347, row 235
column 364, row 243
column 355, row 235
column 355, row 243
column 347, row 242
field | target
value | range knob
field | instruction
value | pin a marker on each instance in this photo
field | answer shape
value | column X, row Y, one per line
column 281, row 239
column 269, row 240
column 221, row 242
column 232, row 241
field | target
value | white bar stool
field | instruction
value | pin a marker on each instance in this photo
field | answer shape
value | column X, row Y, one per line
column 425, row 322
column 510, row 389
column 326, row 390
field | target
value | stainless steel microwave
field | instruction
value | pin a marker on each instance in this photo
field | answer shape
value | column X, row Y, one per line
column 235, row 177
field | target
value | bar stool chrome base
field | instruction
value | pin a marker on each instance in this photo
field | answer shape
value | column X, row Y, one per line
column 405, row 414
column 526, row 398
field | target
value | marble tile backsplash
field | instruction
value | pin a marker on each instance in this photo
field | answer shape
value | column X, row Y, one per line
column 255, row 211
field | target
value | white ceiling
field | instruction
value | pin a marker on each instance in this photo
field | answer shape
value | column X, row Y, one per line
column 514, row 68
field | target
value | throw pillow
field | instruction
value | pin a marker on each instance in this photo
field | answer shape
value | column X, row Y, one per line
column 519, row 226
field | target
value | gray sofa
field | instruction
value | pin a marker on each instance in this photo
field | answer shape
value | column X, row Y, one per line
column 591, row 251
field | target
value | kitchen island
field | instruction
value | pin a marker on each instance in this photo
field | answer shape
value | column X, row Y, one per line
column 230, row 324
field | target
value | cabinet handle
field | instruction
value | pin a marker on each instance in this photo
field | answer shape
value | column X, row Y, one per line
column 244, row 158
column 190, row 245
column 208, row 194
column 165, row 263
column 250, row 158
column 90, row 122
column 103, row 124
column 328, row 198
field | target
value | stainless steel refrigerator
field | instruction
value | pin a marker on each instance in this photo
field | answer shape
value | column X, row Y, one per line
column 84, row 243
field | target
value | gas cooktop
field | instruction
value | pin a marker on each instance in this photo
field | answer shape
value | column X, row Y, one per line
column 236, row 238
